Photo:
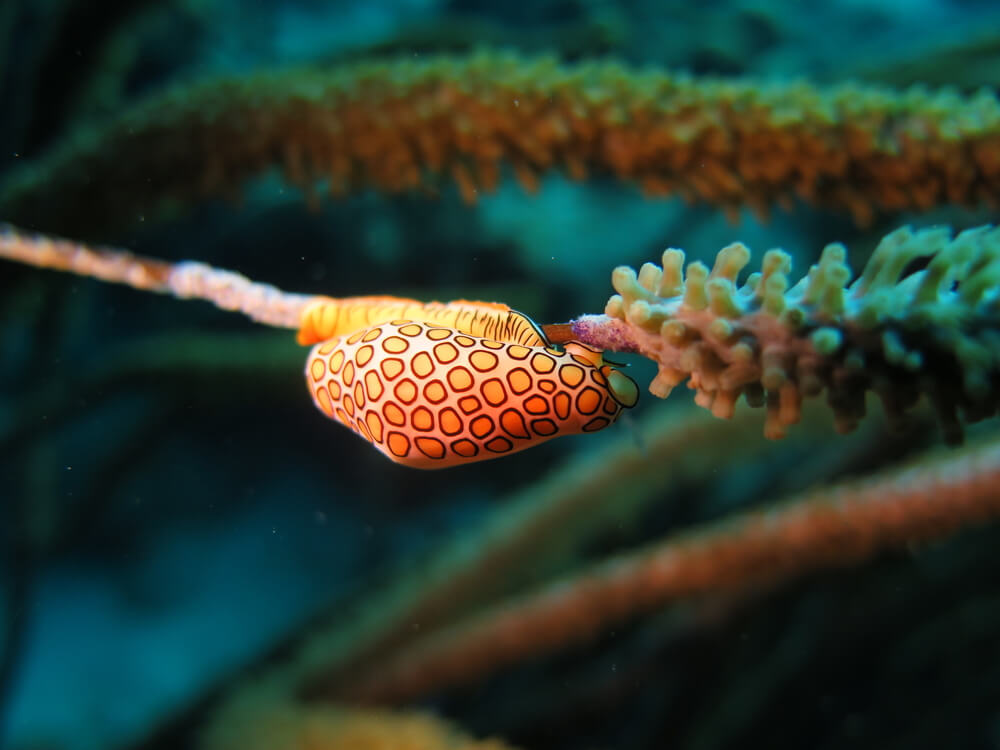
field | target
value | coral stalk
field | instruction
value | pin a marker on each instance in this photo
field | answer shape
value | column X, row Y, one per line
column 404, row 125
column 928, row 499
column 186, row 280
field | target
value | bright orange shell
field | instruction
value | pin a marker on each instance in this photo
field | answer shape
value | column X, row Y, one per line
column 428, row 396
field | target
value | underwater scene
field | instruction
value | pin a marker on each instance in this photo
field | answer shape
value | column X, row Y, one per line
column 570, row 374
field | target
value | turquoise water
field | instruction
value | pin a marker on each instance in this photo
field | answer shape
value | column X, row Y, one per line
column 179, row 519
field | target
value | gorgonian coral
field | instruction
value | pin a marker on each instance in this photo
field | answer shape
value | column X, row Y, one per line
column 920, row 320
column 404, row 125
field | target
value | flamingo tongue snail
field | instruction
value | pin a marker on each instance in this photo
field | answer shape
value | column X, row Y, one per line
column 429, row 395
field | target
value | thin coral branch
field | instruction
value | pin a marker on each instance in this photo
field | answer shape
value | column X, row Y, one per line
column 549, row 519
column 899, row 332
column 552, row 519
column 186, row 280
column 404, row 125
column 843, row 525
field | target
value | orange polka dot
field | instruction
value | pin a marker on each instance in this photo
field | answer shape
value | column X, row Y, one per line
column 493, row 391
column 434, row 392
column 460, row 379
column 364, row 355
column 317, row 369
column 399, row 322
column 469, row 404
column 544, row 427
column 374, row 423
column 583, row 361
column 546, row 386
column 373, row 334
column 536, row 405
column 395, row 345
column 465, row 448
column 588, row 400
column 391, row 367
column 356, row 337
column 562, row 403
column 481, row 426
column 436, row 334
column 422, row 419
column 323, row 399
column 492, row 344
column 483, row 361
column 513, row 423
column 359, row 395
column 464, row 341
column 348, row 374
column 571, row 375
column 451, row 423
column 328, row 346
column 499, row 445
column 393, row 414
column 344, row 419
column 445, row 353
column 374, row 385
column 430, row 447
column 519, row 379
column 610, row 406
column 411, row 329
column 543, row 363
column 337, row 361
column 598, row 377
column 595, row 424
column 334, row 388
column 399, row 444
column 348, row 405
column 406, row 391
column 422, row 365
column 515, row 351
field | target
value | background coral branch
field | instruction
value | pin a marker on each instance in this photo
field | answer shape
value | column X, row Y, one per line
column 403, row 125
column 841, row 525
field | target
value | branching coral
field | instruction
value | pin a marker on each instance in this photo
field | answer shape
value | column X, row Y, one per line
column 836, row 526
column 920, row 320
column 895, row 330
column 403, row 125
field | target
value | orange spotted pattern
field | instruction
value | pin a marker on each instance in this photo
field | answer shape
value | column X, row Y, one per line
column 430, row 396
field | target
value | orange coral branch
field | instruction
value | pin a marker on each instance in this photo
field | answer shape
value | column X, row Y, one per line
column 826, row 528
column 548, row 520
column 403, row 125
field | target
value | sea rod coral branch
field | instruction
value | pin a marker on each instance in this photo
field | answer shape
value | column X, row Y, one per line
column 842, row 525
column 187, row 280
column 550, row 520
column 405, row 125
column 898, row 332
